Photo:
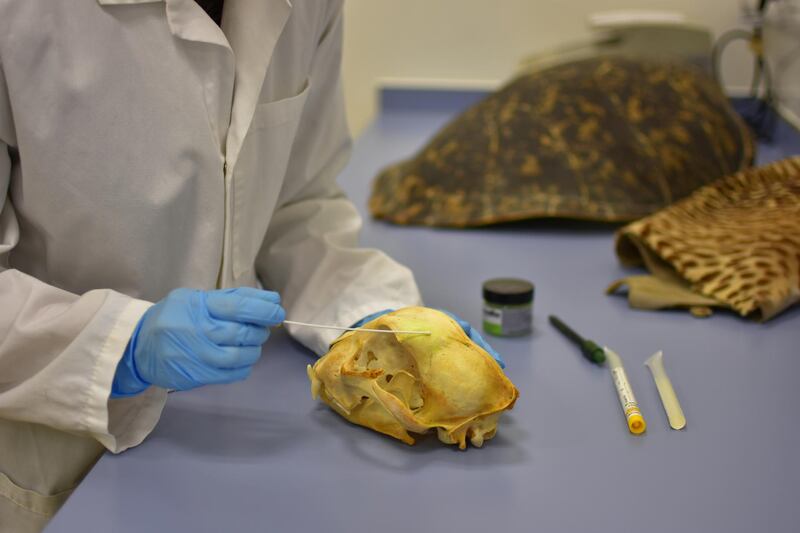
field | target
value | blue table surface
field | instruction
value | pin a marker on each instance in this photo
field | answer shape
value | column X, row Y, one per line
column 262, row 456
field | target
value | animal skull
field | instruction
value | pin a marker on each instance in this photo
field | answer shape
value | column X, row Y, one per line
column 406, row 382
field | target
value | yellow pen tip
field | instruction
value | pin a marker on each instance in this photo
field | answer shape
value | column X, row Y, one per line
column 636, row 424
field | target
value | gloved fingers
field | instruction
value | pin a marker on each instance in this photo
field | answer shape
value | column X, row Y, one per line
column 226, row 333
column 195, row 373
column 215, row 376
column 235, row 374
column 238, row 306
column 251, row 292
column 231, row 357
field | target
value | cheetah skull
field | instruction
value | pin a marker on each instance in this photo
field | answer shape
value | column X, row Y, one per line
column 411, row 383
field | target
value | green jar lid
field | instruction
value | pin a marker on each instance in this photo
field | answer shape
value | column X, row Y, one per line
column 508, row 291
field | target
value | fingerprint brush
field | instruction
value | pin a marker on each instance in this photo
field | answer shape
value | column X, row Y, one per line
column 589, row 349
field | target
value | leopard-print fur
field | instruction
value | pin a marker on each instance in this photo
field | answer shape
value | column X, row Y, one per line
column 736, row 240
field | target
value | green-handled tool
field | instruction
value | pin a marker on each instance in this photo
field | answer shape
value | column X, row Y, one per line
column 590, row 350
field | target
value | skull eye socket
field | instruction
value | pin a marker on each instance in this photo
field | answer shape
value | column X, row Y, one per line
column 365, row 360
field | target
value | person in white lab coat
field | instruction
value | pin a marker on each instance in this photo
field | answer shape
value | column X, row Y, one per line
column 145, row 148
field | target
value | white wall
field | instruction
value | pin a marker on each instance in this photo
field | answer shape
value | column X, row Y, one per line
column 782, row 44
column 479, row 43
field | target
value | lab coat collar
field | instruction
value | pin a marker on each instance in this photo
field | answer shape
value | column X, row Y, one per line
column 186, row 20
column 119, row 2
column 252, row 29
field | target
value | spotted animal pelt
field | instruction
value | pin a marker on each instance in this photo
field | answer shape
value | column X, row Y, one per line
column 736, row 240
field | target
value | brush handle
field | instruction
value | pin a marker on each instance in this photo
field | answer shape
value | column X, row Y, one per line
column 590, row 349
column 566, row 330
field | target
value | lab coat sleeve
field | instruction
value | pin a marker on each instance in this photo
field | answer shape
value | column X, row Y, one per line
column 59, row 351
column 310, row 254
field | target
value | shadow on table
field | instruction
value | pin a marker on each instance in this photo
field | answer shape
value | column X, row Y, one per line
column 226, row 434
column 391, row 454
column 543, row 225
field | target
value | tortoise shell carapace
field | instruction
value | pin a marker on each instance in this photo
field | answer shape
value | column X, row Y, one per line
column 608, row 139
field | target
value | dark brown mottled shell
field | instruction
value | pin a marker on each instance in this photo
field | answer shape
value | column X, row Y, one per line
column 607, row 138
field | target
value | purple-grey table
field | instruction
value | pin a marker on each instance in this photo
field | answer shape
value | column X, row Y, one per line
column 262, row 456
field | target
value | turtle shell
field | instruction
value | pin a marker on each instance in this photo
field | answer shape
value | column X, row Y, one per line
column 608, row 139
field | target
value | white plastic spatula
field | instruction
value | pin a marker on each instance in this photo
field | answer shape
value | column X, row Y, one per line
column 671, row 405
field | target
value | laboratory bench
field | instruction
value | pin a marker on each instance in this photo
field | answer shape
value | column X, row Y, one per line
column 261, row 455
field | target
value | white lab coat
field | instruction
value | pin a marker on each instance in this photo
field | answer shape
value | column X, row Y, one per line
column 143, row 148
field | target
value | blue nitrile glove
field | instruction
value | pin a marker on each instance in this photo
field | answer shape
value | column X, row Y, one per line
column 193, row 338
column 471, row 332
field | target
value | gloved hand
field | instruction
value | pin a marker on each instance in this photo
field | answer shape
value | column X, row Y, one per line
column 471, row 332
column 193, row 338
